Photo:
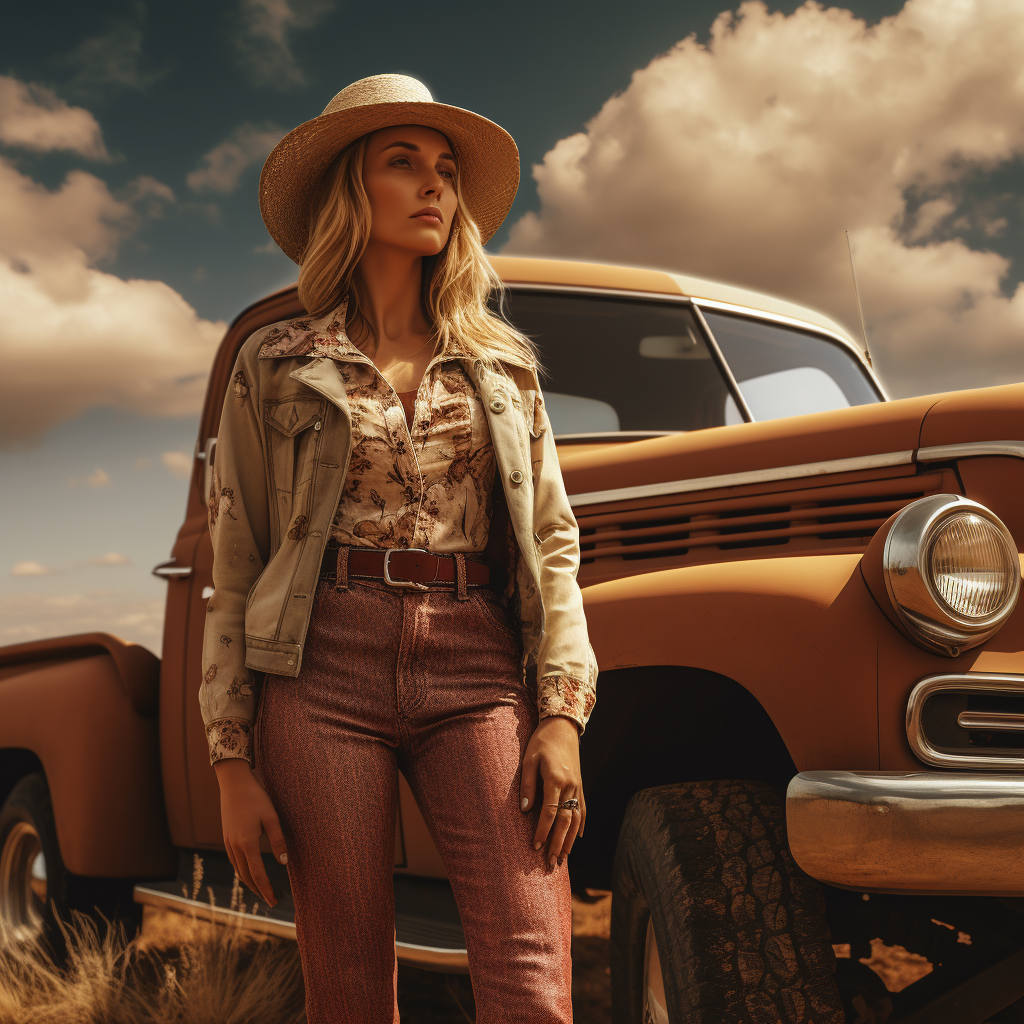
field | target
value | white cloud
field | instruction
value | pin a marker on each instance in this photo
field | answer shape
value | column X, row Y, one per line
column 178, row 464
column 111, row 558
column 265, row 28
column 72, row 336
column 747, row 158
column 222, row 168
column 129, row 615
column 98, row 478
column 33, row 117
column 31, row 569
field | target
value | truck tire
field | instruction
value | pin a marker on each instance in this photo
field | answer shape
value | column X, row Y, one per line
column 33, row 879
column 37, row 890
column 711, row 917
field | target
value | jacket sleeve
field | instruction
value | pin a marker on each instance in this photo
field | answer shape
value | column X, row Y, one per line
column 566, row 664
column 238, row 516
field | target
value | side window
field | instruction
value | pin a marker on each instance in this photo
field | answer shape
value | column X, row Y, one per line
column 783, row 371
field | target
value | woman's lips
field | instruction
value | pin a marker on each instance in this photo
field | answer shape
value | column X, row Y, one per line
column 428, row 217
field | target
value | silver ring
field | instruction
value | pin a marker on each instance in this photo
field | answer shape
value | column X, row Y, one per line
column 572, row 804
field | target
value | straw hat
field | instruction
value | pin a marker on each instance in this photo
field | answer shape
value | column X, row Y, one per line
column 487, row 156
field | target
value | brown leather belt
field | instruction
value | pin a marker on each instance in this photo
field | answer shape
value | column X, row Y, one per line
column 405, row 567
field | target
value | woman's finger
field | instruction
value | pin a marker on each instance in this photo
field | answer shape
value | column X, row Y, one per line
column 570, row 836
column 242, row 870
column 548, row 812
column 258, row 873
column 563, row 822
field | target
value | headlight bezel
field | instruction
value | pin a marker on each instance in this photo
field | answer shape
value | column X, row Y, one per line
column 922, row 614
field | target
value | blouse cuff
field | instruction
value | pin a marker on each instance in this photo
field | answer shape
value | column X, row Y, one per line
column 564, row 695
column 230, row 737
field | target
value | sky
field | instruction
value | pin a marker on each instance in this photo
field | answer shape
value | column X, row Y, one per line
column 739, row 143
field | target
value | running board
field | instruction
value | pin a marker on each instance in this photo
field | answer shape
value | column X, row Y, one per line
column 428, row 932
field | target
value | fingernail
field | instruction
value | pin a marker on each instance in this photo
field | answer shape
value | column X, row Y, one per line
column 284, row 858
column 524, row 803
column 536, row 846
column 552, row 862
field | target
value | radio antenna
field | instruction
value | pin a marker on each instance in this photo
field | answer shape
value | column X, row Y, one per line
column 860, row 308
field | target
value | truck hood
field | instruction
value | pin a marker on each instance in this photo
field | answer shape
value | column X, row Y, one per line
column 899, row 426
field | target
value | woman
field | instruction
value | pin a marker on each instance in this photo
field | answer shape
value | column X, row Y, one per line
column 379, row 426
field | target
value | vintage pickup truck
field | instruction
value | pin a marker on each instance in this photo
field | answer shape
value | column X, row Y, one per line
column 810, row 719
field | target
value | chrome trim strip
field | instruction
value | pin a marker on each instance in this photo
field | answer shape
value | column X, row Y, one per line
column 754, row 476
column 941, row 452
column 453, row 960
column 909, row 832
column 597, row 436
column 999, row 720
column 992, row 682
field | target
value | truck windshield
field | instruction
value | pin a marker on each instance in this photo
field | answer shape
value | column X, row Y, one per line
column 620, row 364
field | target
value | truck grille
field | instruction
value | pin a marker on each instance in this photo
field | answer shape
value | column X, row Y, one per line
column 701, row 529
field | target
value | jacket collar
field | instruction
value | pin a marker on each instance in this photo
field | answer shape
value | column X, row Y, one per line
column 325, row 338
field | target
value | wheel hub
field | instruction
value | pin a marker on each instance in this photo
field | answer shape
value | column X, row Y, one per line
column 22, row 884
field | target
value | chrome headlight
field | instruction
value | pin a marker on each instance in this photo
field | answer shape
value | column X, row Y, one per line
column 951, row 571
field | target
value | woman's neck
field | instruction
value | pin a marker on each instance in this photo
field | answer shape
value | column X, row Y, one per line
column 388, row 281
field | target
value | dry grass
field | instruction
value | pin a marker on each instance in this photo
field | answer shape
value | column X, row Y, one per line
column 181, row 969
column 193, row 973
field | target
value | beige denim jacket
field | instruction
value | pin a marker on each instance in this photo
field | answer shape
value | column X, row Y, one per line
column 283, row 450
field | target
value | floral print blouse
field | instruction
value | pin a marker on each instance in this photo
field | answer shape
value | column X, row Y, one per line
column 422, row 481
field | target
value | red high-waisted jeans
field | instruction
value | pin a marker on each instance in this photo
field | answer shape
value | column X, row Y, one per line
column 394, row 678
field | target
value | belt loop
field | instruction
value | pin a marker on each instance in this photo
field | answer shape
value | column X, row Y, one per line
column 460, row 576
column 341, row 573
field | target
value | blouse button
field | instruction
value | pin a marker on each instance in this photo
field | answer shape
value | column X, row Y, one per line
column 516, row 476
column 497, row 405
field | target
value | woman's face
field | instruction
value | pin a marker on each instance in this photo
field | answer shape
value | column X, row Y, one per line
column 406, row 168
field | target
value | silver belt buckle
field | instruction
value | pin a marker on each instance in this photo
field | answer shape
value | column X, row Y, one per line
column 402, row 583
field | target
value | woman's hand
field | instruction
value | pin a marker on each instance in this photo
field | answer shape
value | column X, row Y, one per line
column 553, row 753
column 246, row 812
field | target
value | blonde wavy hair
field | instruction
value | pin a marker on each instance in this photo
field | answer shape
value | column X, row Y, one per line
column 456, row 283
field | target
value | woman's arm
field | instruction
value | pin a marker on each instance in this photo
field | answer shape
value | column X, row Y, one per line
column 238, row 515
column 239, row 518
column 566, row 664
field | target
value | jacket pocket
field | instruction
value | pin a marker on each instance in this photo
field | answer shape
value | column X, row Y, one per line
column 294, row 429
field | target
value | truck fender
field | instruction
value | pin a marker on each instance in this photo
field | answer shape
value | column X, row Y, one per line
column 86, row 707
column 798, row 633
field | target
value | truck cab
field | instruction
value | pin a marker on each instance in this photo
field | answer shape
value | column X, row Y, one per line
column 775, row 633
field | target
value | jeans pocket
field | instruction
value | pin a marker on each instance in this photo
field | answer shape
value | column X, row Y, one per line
column 494, row 610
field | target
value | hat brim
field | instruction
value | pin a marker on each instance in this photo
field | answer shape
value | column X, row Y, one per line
column 487, row 157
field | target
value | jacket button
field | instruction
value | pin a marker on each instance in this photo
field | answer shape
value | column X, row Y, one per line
column 291, row 661
column 516, row 476
column 316, row 426
column 497, row 405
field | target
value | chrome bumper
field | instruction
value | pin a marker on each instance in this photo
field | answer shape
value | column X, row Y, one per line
column 910, row 832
